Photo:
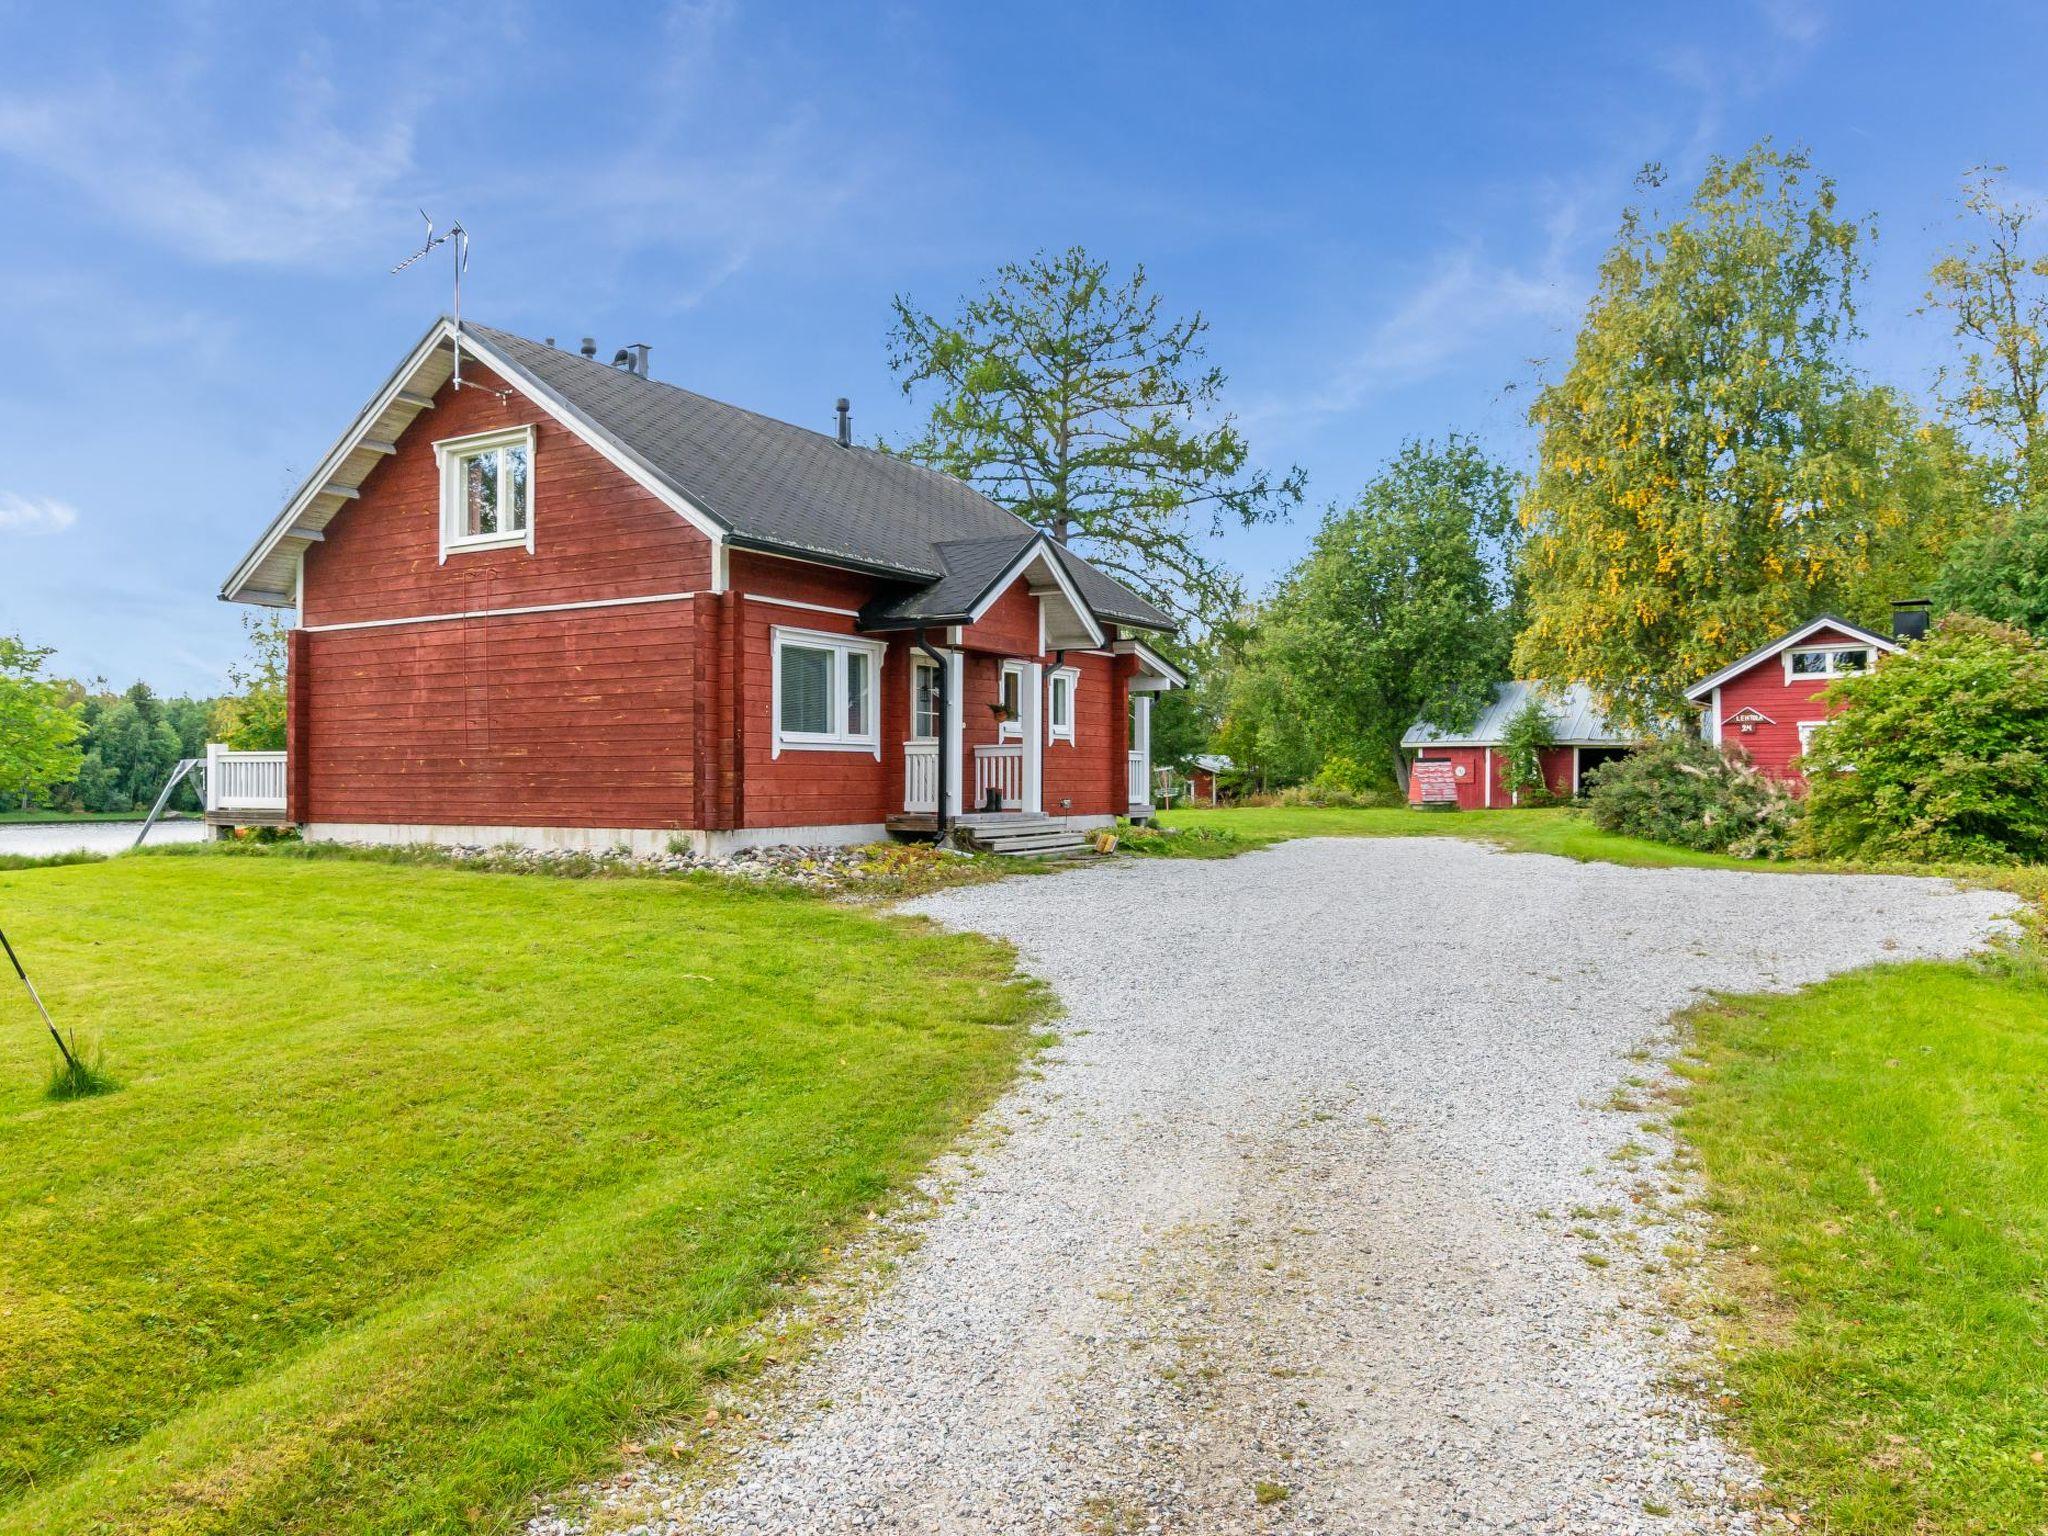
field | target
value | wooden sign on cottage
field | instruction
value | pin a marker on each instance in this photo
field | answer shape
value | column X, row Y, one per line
column 1747, row 719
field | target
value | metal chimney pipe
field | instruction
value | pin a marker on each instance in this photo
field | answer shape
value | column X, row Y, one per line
column 590, row 346
column 639, row 349
column 845, row 422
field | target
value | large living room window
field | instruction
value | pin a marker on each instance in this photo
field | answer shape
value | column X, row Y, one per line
column 825, row 692
column 486, row 491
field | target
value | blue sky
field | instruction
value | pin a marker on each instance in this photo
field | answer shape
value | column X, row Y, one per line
column 1390, row 215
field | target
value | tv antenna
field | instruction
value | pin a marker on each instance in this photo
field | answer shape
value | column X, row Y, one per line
column 457, row 238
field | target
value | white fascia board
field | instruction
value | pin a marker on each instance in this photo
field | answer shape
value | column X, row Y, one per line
column 1699, row 691
column 316, row 483
column 616, row 454
column 440, row 334
column 1152, row 660
column 1039, row 550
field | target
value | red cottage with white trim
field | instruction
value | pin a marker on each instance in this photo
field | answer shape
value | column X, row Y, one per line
column 566, row 605
column 1768, row 705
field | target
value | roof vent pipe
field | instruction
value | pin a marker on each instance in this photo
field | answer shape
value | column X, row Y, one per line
column 845, row 422
column 639, row 350
column 590, row 346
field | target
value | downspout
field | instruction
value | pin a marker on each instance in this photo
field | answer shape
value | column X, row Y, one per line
column 941, row 709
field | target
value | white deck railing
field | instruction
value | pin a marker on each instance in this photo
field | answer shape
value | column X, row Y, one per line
column 1140, row 790
column 920, row 776
column 243, row 781
column 1000, row 767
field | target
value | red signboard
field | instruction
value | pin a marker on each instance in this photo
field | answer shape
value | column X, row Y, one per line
column 1433, row 782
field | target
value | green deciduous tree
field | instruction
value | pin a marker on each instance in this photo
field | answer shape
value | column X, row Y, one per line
column 1941, row 753
column 1063, row 393
column 1403, row 609
column 1711, row 470
column 1528, row 734
column 2001, row 572
column 1993, row 289
column 39, row 724
column 252, row 718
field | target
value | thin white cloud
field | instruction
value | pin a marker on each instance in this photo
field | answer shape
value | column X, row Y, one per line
column 296, row 189
column 34, row 515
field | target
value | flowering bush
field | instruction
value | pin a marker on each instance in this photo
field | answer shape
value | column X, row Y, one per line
column 1685, row 792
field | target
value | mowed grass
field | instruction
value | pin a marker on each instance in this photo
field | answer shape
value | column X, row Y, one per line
column 423, row 1188
column 1553, row 829
column 1877, row 1154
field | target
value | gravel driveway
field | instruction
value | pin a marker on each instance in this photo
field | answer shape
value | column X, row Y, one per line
column 1299, row 1229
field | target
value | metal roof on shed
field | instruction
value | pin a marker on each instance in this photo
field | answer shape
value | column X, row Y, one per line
column 1576, row 719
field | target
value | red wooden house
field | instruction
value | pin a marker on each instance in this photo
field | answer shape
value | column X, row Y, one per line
column 1768, row 704
column 567, row 605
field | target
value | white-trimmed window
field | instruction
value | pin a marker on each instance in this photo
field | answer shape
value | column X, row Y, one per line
column 825, row 692
column 1012, row 695
column 924, row 700
column 1059, row 704
column 486, row 491
column 1820, row 661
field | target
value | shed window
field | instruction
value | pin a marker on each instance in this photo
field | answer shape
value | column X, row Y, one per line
column 825, row 692
column 1846, row 661
column 486, row 490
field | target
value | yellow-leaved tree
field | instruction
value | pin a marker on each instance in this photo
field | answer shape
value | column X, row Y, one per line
column 1711, row 469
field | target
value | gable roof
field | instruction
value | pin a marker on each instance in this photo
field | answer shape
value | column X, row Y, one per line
column 978, row 571
column 1576, row 719
column 1765, row 652
column 749, row 480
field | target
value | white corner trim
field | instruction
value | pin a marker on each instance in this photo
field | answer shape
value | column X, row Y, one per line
column 841, row 645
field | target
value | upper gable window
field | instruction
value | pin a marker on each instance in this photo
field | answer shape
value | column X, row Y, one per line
column 486, row 490
column 1829, row 661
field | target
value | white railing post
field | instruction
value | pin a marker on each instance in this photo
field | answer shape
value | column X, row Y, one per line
column 213, row 755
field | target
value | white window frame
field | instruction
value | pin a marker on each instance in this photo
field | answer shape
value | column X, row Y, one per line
column 919, row 666
column 1012, row 730
column 1054, row 731
column 452, row 453
column 838, row 739
column 1833, row 671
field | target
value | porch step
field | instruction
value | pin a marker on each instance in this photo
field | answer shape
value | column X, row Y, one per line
column 1025, row 837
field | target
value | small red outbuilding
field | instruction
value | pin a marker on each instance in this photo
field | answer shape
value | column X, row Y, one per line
column 1769, row 704
column 1469, row 768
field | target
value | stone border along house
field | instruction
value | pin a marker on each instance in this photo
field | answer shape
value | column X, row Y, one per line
column 558, row 603
column 1766, row 705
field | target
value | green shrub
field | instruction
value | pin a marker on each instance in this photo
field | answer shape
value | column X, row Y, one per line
column 1323, row 796
column 1345, row 774
column 1684, row 792
column 1941, row 753
column 1523, row 743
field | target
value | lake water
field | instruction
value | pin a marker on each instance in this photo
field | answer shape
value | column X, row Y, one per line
column 94, row 836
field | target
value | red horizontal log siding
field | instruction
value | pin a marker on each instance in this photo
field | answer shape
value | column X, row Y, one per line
column 1774, row 747
column 585, row 718
column 596, row 534
column 1090, row 771
column 1010, row 627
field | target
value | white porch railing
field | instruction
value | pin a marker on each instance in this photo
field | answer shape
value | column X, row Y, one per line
column 1140, row 790
column 1002, row 768
column 920, row 776
column 243, row 781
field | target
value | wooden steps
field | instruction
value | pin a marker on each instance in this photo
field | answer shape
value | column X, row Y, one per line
column 1011, row 834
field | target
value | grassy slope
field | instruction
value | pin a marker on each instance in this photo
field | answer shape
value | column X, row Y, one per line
column 1877, row 1151
column 1876, row 1155
column 424, row 1186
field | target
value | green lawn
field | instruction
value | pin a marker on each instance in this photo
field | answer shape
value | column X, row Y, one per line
column 1877, row 1152
column 423, row 1187
column 1552, row 830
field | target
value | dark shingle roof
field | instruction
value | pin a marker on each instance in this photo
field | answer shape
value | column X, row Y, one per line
column 781, row 487
column 972, row 566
